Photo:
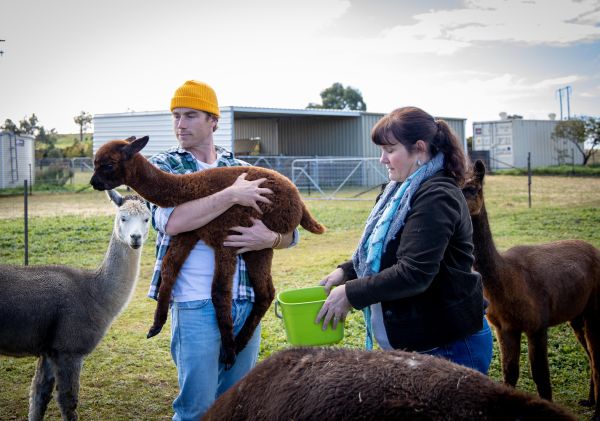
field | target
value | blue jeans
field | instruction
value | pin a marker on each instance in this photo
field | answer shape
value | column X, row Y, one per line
column 474, row 351
column 195, row 347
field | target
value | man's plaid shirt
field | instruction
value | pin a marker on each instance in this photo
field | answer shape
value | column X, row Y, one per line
column 179, row 161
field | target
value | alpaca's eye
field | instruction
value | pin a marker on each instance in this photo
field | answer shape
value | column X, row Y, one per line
column 146, row 220
column 123, row 219
column 108, row 166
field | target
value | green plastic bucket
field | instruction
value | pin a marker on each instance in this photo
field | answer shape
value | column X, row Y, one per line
column 299, row 309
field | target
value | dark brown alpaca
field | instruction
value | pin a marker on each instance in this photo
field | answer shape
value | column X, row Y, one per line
column 342, row 384
column 119, row 162
column 530, row 288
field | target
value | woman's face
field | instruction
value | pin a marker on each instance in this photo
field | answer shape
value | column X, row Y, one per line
column 399, row 162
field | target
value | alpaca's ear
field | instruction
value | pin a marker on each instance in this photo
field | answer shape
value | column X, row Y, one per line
column 130, row 139
column 479, row 169
column 135, row 146
column 115, row 197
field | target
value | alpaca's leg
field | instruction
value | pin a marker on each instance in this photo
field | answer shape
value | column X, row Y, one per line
column 592, row 336
column 225, row 262
column 179, row 249
column 41, row 389
column 258, row 264
column 510, row 348
column 537, row 346
column 67, row 369
column 577, row 325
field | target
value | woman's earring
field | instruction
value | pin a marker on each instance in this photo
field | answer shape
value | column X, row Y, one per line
column 419, row 163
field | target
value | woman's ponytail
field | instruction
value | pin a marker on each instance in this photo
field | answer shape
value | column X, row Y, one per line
column 445, row 141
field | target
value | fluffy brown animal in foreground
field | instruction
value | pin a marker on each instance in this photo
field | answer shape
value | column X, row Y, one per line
column 119, row 162
column 530, row 288
column 343, row 384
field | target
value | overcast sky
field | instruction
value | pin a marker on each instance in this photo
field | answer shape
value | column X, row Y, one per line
column 469, row 59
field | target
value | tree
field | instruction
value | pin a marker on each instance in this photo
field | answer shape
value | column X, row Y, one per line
column 583, row 132
column 337, row 97
column 10, row 126
column 29, row 125
column 83, row 120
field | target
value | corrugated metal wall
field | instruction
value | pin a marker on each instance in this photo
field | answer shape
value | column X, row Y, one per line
column 281, row 135
column 369, row 149
column 25, row 154
column 265, row 129
column 535, row 136
column 325, row 136
column 157, row 125
column 223, row 137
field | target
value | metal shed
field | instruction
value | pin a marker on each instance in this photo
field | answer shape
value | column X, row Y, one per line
column 509, row 141
column 17, row 160
column 277, row 131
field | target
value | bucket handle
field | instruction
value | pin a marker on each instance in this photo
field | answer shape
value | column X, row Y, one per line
column 279, row 315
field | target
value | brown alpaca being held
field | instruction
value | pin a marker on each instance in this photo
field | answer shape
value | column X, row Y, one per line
column 530, row 288
column 119, row 162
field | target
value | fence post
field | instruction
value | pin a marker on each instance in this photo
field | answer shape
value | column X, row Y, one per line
column 26, row 226
column 529, row 177
column 30, row 181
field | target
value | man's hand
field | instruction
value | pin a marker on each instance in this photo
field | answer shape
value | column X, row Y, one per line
column 256, row 237
column 249, row 193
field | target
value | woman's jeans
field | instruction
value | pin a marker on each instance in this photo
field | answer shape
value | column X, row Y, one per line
column 195, row 348
column 474, row 351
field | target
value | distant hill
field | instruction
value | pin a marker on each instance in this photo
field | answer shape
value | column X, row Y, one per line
column 64, row 140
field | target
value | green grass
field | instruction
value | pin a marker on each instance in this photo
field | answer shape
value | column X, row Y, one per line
column 561, row 170
column 64, row 140
column 129, row 377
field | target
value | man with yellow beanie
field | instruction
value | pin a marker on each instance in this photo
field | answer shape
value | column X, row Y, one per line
column 195, row 336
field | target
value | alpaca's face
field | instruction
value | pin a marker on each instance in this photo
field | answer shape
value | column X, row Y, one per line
column 473, row 189
column 111, row 161
column 108, row 166
column 473, row 193
column 132, row 222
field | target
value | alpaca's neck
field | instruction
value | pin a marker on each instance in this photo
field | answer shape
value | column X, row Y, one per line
column 156, row 186
column 116, row 277
column 487, row 259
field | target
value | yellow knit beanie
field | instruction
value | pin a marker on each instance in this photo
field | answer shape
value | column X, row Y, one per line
column 196, row 95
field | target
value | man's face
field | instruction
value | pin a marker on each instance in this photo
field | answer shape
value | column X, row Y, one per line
column 192, row 127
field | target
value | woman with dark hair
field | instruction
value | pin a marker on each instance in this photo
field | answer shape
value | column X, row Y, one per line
column 411, row 272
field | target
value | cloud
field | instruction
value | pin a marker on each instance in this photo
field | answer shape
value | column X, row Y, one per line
column 529, row 22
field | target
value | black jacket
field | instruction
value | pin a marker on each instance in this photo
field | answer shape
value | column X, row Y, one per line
column 428, row 292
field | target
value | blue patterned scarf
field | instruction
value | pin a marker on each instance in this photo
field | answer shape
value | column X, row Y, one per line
column 384, row 223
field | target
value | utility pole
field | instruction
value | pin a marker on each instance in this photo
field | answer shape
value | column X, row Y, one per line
column 567, row 90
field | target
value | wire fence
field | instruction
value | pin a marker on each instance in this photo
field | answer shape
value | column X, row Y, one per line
column 319, row 177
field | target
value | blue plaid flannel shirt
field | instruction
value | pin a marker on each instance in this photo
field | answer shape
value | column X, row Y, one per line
column 178, row 161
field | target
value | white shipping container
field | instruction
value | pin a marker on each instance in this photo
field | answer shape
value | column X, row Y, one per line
column 509, row 143
column 17, row 160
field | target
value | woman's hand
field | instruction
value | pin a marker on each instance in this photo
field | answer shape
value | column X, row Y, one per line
column 256, row 237
column 335, row 308
column 335, row 278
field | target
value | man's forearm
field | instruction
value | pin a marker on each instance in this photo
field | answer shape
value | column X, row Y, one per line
column 196, row 213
